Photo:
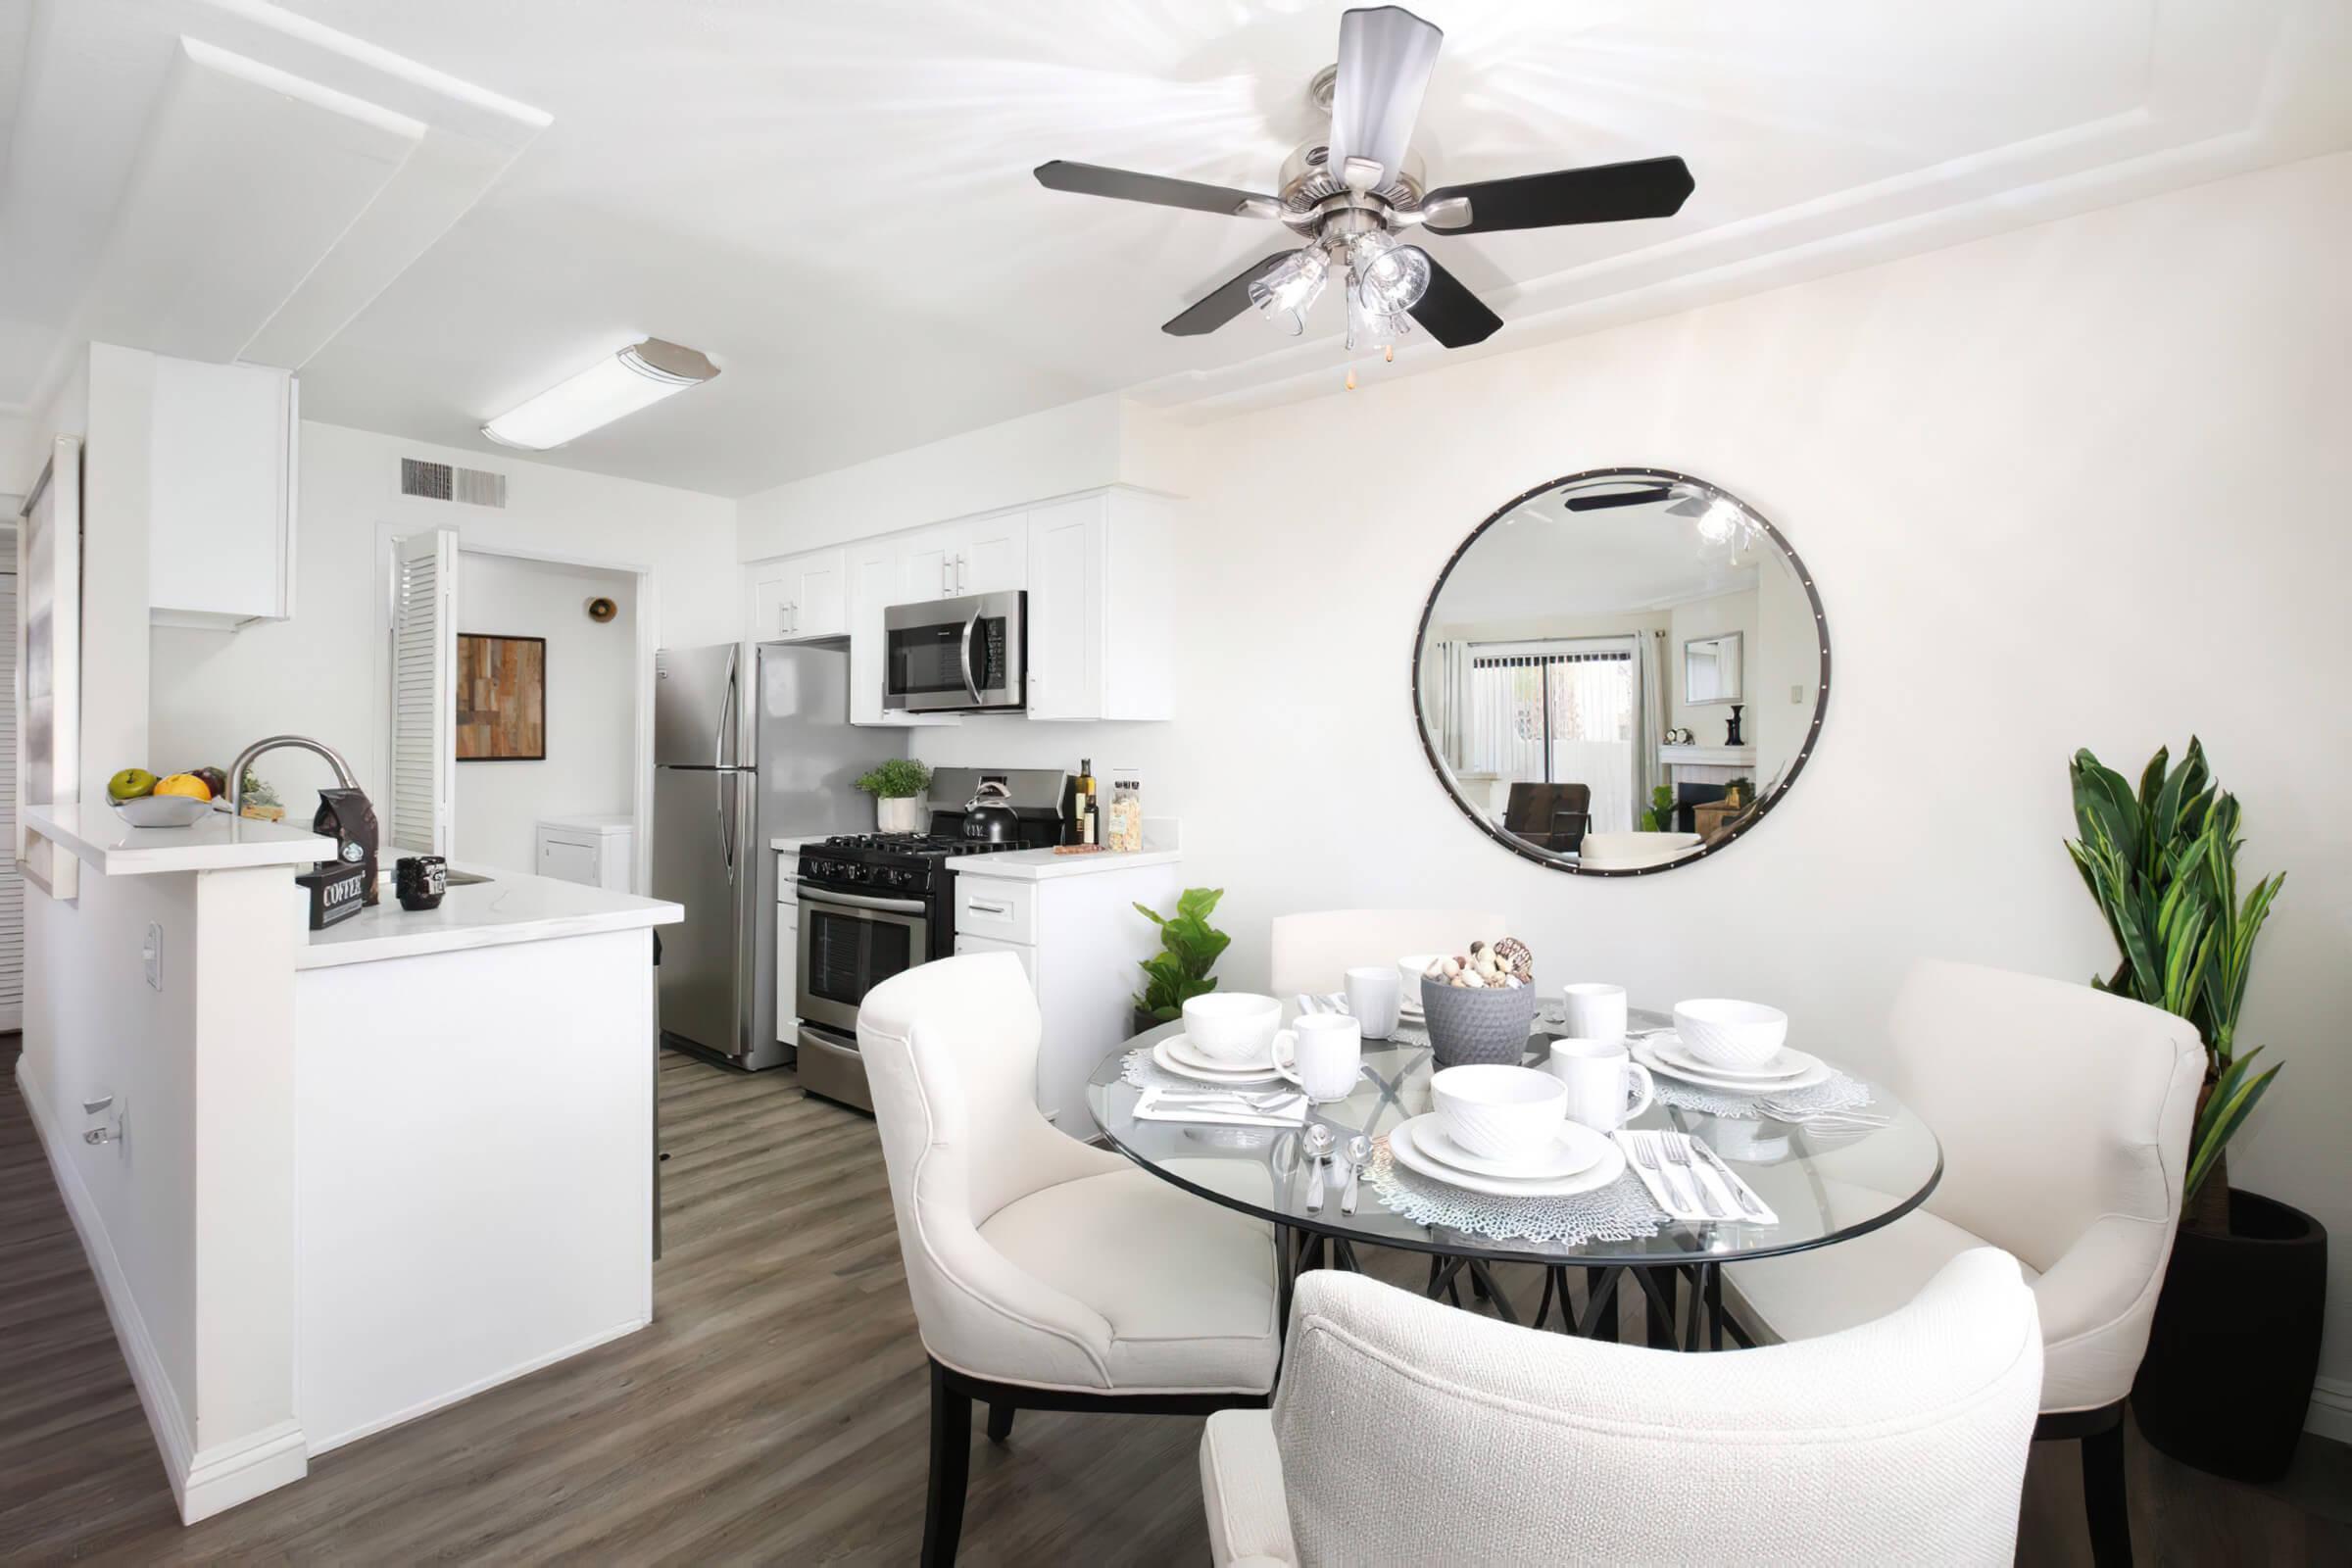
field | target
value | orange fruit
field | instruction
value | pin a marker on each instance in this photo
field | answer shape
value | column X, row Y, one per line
column 188, row 784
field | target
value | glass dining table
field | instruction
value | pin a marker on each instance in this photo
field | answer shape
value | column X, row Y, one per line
column 1823, row 1187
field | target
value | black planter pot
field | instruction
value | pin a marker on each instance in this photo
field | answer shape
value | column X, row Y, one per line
column 2227, row 1380
column 1142, row 1023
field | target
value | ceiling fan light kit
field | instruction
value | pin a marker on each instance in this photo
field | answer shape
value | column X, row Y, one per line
column 1349, row 196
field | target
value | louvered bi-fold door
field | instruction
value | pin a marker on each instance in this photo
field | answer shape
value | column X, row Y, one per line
column 425, row 707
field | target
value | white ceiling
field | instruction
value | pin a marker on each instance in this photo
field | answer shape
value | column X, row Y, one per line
column 1542, row 560
column 834, row 201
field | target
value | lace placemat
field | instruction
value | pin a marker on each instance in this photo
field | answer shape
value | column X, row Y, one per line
column 1621, row 1211
column 1839, row 1092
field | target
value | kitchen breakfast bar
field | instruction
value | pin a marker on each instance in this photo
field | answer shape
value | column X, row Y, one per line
column 330, row 1181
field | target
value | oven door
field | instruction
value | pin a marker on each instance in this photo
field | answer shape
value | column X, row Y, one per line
column 948, row 656
column 851, row 943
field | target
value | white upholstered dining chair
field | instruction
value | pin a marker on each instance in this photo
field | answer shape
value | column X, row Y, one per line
column 1407, row 1432
column 1314, row 952
column 1046, row 1274
column 2064, row 1114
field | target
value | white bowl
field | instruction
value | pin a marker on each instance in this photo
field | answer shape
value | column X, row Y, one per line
column 1509, row 1113
column 163, row 811
column 1730, row 1034
column 1411, row 968
column 1233, row 1025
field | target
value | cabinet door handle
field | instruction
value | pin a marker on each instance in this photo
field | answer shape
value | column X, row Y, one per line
column 979, row 908
column 963, row 571
column 946, row 574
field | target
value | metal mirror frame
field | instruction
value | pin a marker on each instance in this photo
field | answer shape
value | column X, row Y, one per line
column 1797, row 766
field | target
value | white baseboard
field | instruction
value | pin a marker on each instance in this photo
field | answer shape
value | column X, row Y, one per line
column 202, row 1484
column 369, row 1429
column 2331, row 1413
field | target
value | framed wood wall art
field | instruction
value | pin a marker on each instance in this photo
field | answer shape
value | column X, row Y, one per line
column 501, row 699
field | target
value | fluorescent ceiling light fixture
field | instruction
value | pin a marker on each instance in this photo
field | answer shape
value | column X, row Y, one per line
column 638, row 376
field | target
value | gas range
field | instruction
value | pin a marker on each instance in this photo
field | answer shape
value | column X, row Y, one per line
column 901, row 863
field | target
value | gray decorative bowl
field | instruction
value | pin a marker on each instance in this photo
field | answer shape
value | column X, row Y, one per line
column 1474, row 1024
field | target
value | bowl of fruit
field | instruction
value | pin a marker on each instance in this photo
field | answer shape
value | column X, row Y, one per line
column 175, row 800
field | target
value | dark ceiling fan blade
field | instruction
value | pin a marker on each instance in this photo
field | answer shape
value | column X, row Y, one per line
column 1604, row 193
column 1595, row 500
column 1450, row 312
column 1385, row 57
column 1124, row 184
column 1221, row 305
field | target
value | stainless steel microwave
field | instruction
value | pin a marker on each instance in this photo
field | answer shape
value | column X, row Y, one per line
column 957, row 656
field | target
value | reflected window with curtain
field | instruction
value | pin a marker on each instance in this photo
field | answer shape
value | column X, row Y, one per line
column 1558, row 713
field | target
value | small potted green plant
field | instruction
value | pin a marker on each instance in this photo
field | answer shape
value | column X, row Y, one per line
column 896, row 787
column 2236, row 1343
column 1189, row 947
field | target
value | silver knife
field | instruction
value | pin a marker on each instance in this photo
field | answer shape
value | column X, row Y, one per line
column 1731, row 1183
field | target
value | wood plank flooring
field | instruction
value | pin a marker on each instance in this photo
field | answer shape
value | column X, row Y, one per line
column 774, row 1412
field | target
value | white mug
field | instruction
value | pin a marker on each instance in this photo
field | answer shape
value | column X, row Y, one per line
column 1594, row 1011
column 1606, row 1087
column 1327, row 1053
column 1374, row 996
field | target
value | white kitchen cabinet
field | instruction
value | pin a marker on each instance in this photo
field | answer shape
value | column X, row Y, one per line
column 927, row 564
column 992, row 554
column 1079, row 939
column 800, row 597
column 1098, row 625
column 223, row 483
column 878, row 572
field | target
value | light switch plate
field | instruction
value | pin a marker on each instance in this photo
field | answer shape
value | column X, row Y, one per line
column 152, row 952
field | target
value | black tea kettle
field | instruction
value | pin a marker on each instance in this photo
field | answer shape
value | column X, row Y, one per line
column 989, row 816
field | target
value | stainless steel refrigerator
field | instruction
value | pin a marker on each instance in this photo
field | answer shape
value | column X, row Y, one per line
column 742, row 756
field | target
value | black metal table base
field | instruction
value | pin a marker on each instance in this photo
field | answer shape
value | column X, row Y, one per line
column 1681, row 1300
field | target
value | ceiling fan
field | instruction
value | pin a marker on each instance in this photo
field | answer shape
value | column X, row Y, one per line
column 1349, row 196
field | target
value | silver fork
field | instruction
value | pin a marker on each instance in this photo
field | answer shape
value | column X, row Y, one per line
column 1677, row 1153
column 1799, row 1116
column 1646, row 1152
column 1259, row 1102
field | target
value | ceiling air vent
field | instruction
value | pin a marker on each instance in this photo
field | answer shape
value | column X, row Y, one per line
column 442, row 481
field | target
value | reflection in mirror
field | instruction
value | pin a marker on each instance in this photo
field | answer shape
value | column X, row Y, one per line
column 1621, row 671
column 1711, row 670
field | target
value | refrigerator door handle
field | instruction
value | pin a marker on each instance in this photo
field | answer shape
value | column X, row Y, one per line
column 722, row 782
column 726, row 713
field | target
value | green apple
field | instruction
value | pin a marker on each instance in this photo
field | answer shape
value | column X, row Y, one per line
column 130, row 784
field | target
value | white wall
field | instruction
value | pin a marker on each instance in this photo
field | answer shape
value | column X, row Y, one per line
column 2025, row 473
column 591, row 703
column 1701, row 618
column 321, row 673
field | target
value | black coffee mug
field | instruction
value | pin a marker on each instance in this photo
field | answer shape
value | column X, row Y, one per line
column 420, row 880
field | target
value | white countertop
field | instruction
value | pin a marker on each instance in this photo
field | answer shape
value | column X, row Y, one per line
column 793, row 841
column 512, row 907
column 1038, row 865
column 218, row 842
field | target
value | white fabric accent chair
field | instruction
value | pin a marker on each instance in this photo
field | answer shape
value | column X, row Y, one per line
column 1314, row 952
column 1407, row 1432
column 2064, row 1114
column 1046, row 1274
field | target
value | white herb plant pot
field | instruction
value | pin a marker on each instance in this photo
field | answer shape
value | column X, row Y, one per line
column 900, row 814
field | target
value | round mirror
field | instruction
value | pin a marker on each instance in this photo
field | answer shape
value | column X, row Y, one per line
column 1621, row 671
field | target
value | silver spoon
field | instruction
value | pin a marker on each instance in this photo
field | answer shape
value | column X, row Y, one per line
column 1318, row 1149
column 1359, row 1150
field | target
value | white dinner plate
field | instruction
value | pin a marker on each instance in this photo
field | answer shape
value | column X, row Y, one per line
column 1593, row 1177
column 1161, row 1057
column 1648, row 1057
column 1577, row 1147
column 1182, row 1050
column 1785, row 1067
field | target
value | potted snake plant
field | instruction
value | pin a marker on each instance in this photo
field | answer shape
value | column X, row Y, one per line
column 2236, row 1343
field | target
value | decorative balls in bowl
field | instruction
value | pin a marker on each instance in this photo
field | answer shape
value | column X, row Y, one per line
column 1480, row 1007
column 1730, row 1034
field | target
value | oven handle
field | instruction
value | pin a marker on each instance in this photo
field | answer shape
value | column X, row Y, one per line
column 860, row 901
column 963, row 649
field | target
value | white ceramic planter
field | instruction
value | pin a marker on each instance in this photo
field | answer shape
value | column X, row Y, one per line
column 904, row 813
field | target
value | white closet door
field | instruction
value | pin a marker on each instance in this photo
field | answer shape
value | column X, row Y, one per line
column 424, row 701
column 12, row 881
